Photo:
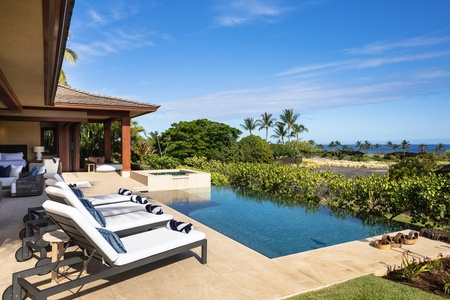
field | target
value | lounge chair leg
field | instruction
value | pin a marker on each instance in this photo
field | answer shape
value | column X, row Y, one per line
column 204, row 252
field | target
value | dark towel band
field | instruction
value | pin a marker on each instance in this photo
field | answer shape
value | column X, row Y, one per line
column 138, row 199
column 125, row 192
column 179, row 226
column 154, row 209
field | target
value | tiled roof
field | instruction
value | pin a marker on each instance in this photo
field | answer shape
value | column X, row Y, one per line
column 73, row 97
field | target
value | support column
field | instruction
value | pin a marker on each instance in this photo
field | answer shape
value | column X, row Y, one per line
column 64, row 146
column 76, row 152
column 107, row 138
column 126, row 147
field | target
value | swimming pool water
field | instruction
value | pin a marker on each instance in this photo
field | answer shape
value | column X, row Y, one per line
column 276, row 230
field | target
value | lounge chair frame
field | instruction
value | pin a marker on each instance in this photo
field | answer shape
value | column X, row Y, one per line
column 21, row 287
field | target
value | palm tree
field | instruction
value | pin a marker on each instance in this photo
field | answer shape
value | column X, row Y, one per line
column 422, row 148
column 280, row 131
column 266, row 122
column 389, row 145
column 71, row 57
column 367, row 145
column 359, row 145
column 249, row 124
column 405, row 146
column 297, row 129
column 289, row 118
column 439, row 149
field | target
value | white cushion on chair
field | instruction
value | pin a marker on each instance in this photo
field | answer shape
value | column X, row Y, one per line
column 138, row 246
column 119, row 222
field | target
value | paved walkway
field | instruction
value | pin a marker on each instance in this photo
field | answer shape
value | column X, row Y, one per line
column 233, row 271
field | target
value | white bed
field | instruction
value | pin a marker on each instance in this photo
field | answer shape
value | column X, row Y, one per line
column 15, row 162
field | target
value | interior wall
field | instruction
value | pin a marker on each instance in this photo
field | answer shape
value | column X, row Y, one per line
column 21, row 133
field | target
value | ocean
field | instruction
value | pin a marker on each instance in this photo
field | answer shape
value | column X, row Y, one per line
column 383, row 148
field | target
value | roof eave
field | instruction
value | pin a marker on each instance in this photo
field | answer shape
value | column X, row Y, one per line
column 56, row 15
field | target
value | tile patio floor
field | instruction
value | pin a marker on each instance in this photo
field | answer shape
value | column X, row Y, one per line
column 233, row 271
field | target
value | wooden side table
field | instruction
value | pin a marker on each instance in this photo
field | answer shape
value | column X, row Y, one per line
column 57, row 239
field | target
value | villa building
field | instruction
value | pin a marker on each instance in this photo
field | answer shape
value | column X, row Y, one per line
column 33, row 36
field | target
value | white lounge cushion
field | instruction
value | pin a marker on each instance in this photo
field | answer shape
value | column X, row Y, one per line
column 108, row 167
column 89, row 229
column 108, row 199
column 113, row 222
column 119, row 208
column 95, row 200
column 138, row 246
column 152, row 242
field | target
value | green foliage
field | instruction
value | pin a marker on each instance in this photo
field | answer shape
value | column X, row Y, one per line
column 367, row 287
column 281, row 150
column 91, row 140
column 156, row 162
column 199, row 137
column 410, row 166
column 231, row 153
column 446, row 283
column 255, row 149
column 412, row 268
column 304, row 149
column 425, row 199
column 218, row 169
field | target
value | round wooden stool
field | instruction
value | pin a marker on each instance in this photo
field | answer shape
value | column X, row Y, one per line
column 57, row 239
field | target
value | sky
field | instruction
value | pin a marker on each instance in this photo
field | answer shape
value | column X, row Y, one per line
column 354, row 70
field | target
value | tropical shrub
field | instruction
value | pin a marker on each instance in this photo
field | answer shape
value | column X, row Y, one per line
column 410, row 166
column 281, row 150
column 155, row 162
column 254, row 149
column 426, row 198
column 199, row 137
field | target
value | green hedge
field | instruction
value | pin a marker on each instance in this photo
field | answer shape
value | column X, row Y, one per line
column 424, row 198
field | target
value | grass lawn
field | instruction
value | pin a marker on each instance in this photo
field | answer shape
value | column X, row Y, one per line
column 367, row 287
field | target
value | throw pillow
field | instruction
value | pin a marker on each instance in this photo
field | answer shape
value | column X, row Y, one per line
column 41, row 170
column 5, row 171
column 77, row 192
column 101, row 160
column 34, row 171
column 86, row 203
column 13, row 156
column 92, row 159
column 98, row 216
column 113, row 239
column 15, row 171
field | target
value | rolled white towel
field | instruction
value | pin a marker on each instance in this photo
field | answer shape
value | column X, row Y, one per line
column 179, row 226
column 154, row 209
column 138, row 199
column 125, row 192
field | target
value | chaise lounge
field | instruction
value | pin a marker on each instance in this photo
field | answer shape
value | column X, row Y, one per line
column 140, row 249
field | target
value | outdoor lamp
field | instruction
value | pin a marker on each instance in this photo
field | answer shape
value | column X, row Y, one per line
column 38, row 150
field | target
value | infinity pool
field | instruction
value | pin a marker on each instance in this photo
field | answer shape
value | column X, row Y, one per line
column 276, row 230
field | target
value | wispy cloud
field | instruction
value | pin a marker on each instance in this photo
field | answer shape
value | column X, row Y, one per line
column 381, row 47
column 309, row 87
column 236, row 12
column 114, row 41
column 95, row 18
column 111, row 12
column 362, row 63
column 302, row 96
column 113, row 31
